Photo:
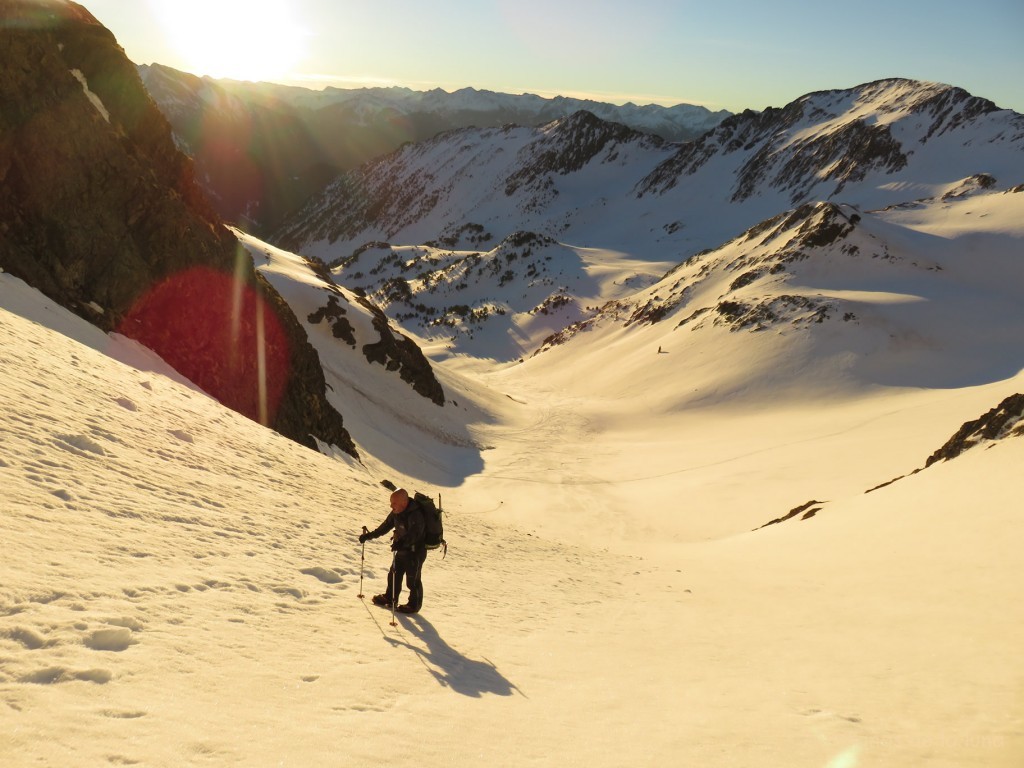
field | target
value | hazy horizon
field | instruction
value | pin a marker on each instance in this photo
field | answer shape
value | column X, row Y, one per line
column 732, row 56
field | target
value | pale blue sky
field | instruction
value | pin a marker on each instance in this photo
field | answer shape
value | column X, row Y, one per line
column 725, row 55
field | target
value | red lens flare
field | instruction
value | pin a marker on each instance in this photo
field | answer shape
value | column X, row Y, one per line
column 219, row 333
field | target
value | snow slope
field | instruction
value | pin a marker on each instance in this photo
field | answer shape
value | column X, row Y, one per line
column 837, row 298
column 180, row 586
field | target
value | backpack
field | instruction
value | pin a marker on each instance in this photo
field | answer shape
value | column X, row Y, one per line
column 433, row 525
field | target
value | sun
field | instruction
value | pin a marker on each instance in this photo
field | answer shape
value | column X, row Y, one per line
column 237, row 39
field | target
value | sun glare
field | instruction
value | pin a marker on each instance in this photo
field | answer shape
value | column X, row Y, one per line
column 238, row 39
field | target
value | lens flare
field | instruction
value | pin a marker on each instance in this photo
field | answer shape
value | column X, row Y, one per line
column 216, row 330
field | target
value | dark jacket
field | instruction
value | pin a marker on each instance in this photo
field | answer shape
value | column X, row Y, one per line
column 409, row 527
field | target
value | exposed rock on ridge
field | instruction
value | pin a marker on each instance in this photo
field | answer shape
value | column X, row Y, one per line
column 842, row 153
column 1005, row 420
column 569, row 145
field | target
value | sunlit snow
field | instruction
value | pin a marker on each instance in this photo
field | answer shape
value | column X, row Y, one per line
column 180, row 586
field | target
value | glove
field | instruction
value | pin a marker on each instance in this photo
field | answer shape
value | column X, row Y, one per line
column 363, row 537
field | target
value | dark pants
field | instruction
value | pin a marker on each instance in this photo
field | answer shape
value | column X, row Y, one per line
column 408, row 566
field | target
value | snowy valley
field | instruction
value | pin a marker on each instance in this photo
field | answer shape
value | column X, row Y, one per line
column 181, row 585
column 165, row 556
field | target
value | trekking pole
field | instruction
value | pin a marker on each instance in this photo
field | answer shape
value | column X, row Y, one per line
column 394, row 592
column 440, row 511
column 362, row 566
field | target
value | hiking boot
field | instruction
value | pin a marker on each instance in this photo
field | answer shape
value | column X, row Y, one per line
column 381, row 600
column 407, row 609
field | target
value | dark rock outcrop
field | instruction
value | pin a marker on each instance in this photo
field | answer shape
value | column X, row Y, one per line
column 101, row 212
column 334, row 313
column 1005, row 419
column 806, row 512
column 570, row 145
column 398, row 353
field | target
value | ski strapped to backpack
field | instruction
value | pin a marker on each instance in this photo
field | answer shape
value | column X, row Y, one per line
column 433, row 519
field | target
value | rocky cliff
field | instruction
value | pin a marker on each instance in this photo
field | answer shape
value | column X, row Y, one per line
column 101, row 212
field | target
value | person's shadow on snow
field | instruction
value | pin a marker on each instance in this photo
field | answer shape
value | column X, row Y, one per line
column 449, row 667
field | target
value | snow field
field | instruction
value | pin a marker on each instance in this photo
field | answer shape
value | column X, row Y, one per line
column 179, row 586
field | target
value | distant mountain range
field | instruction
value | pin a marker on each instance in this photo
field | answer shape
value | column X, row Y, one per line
column 482, row 108
column 262, row 149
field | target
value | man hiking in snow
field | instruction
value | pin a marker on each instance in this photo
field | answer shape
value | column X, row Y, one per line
column 406, row 519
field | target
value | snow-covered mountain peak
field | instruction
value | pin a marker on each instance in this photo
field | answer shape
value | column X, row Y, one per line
column 588, row 182
column 822, row 142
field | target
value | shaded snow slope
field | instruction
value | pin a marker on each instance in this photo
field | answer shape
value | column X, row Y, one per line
column 499, row 304
column 824, row 298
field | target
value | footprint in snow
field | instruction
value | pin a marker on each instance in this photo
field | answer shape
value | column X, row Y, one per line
column 123, row 714
column 115, row 639
column 79, row 444
column 54, row 675
column 298, row 594
column 28, row 638
column 326, row 575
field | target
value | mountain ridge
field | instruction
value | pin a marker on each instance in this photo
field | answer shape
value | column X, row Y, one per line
column 233, row 130
column 435, row 211
column 880, row 144
column 865, row 140
column 680, row 122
